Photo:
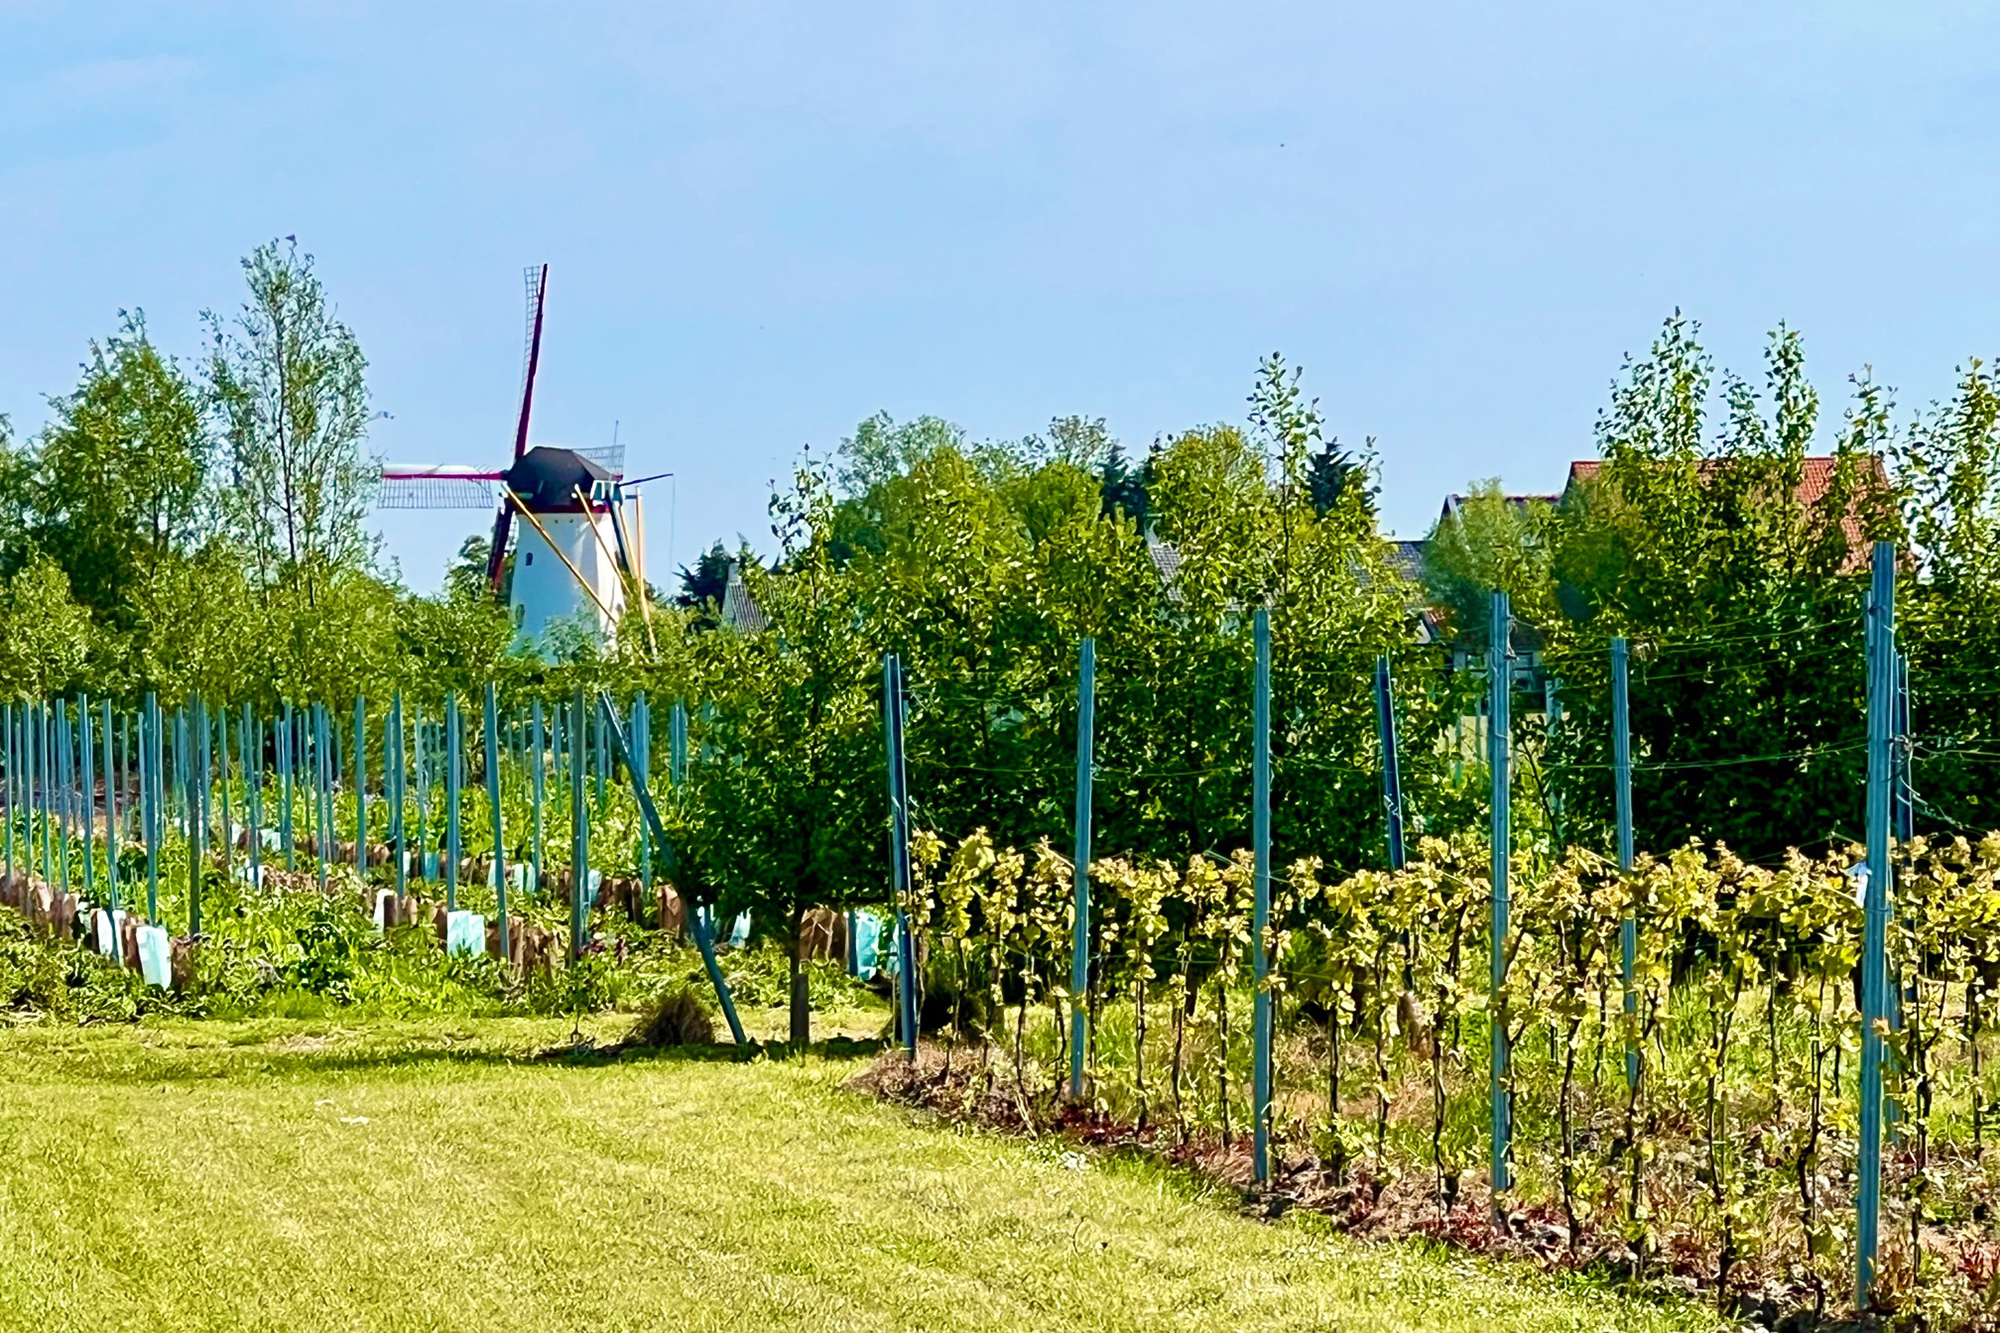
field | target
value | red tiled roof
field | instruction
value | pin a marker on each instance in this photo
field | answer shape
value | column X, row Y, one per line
column 1815, row 480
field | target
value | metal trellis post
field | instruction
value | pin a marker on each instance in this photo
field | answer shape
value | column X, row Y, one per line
column 1260, row 907
column 538, row 776
column 1499, row 685
column 1079, row 967
column 1392, row 764
column 1875, row 914
column 451, row 781
column 1621, row 781
column 579, row 831
column 361, row 786
column 493, row 800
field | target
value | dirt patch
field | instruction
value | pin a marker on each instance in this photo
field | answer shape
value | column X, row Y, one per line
column 963, row 1087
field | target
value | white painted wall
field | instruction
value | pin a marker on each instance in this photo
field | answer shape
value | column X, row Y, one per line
column 544, row 590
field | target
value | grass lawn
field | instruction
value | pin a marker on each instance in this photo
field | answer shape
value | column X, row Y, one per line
column 306, row 1176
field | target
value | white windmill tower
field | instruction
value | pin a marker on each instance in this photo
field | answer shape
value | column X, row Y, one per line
column 582, row 545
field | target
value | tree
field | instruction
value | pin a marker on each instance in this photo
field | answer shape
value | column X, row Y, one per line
column 16, row 482
column 120, row 473
column 1948, row 470
column 788, row 813
column 288, row 381
column 1490, row 543
column 703, row 586
column 880, row 449
column 197, row 629
column 1332, row 471
column 46, row 636
column 465, row 577
column 1740, row 589
column 460, row 639
column 1126, row 488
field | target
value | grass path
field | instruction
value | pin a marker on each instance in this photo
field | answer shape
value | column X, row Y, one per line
column 301, row 1177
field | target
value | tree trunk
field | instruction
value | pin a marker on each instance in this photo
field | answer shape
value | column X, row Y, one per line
column 801, row 999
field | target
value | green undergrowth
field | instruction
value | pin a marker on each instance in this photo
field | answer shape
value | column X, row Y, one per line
column 287, row 950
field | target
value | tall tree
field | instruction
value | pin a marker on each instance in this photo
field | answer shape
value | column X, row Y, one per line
column 288, row 380
column 120, row 473
column 1740, row 586
column 703, row 586
column 45, row 635
column 790, row 816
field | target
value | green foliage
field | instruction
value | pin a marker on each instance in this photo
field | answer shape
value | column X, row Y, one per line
column 1491, row 543
column 784, row 811
column 287, row 378
column 120, row 475
column 45, row 636
column 759, row 977
column 1739, row 586
column 1720, row 1161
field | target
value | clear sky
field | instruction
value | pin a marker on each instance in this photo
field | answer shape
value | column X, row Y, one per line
column 766, row 221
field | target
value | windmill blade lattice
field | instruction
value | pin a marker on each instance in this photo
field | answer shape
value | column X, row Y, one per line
column 433, row 493
column 610, row 457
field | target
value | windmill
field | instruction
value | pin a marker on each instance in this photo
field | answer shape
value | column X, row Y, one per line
column 584, row 539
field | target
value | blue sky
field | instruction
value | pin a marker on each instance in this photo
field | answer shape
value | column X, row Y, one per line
column 766, row 221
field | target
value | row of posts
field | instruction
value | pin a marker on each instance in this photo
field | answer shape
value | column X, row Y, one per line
column 50, row 771
column 56, row 756
column 1887, row 800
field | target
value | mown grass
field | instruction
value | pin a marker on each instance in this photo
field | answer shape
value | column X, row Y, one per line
column 438, row 1175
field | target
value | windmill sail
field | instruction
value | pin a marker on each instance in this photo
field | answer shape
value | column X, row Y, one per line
column 610, row 457
column 537, row 281
column 434, row 486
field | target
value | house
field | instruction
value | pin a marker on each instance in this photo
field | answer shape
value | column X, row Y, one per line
column 1817, row 475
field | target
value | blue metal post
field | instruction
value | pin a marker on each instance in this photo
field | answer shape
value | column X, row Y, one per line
column 253, row 780
column 399, row 827
column 285, row 765
column 361, row 787
column 1079, row 965
column 1260, row 907
column 89, row 779
column 899, row 851
column 596, row 734
column 641, row 755
column 149, row 792
column 322, row 776
column 1875, row 913
column 451, row 781
column 197, row 812
column 47, row 774
column 1621, row 783
column 7, row 787
column 423, row 776
column 539, row 770
column 63, row 789
column 111, row 838
column 1499, row 686
column 222, row 776
column 493, row 801
column 1392, row 764
column 677, row 744
column 579, row 829
column 697, row 924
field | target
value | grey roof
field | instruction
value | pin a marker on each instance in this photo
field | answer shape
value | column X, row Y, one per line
column 547, row 478
column 1166, row 558
column 1407, row 556
column 739, row 610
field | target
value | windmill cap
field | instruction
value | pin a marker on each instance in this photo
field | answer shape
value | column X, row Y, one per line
column 546, row 478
